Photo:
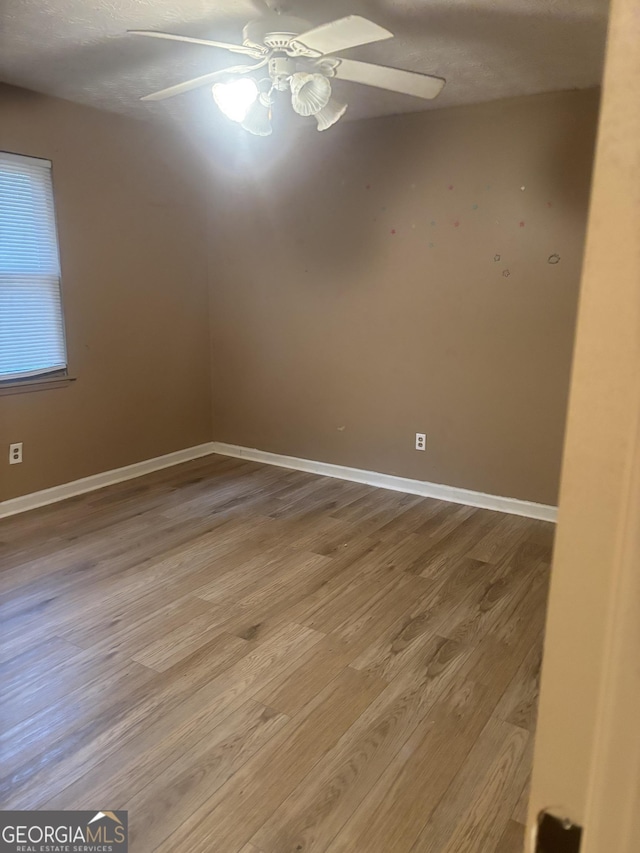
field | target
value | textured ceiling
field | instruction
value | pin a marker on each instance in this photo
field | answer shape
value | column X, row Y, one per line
column 486, row 49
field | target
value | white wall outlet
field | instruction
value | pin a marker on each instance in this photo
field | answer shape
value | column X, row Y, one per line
column 421, row 441
column 15, row 453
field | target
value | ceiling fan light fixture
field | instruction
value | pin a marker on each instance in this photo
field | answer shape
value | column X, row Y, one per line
column 330, row 114
column 310, row 93
column 300, row 61
column 236, row 97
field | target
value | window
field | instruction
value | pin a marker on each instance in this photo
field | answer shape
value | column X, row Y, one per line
column 31, row 323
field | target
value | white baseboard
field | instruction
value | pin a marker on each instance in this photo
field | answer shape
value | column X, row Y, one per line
column 99, row 481
column 512, row 506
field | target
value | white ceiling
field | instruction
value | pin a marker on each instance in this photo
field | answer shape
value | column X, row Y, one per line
column 486, row 49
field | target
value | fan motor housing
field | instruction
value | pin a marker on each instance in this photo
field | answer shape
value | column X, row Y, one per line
column 274, row 31
column 280, row 70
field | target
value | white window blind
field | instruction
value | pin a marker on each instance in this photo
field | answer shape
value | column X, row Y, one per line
column 31, row 321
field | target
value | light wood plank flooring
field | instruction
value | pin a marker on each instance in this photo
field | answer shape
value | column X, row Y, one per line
column 254, row 660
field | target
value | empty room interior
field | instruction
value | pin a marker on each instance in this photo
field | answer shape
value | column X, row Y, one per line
column 288, row 302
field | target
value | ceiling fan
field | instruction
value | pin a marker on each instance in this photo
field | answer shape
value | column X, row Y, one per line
column 292, row 58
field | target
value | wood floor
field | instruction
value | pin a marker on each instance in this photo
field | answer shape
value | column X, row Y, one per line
column 254, row 660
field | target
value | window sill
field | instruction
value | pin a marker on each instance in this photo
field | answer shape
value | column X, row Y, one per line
column 40, row 383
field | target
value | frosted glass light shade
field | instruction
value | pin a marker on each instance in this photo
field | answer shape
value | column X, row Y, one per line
column 309, row 93
column 236, row 97
column 258, row 119
column 330, row 114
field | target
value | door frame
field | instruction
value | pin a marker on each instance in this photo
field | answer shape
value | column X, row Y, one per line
column 587, row 754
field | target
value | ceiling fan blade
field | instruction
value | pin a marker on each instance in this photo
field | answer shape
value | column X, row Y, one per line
column 407, row 82
column 342, row 34
column 234, row 48
column 196, row 82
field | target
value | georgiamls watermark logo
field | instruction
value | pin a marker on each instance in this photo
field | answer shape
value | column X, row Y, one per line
column 64, row 832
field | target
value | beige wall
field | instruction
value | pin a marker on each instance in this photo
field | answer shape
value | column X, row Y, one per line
column 336, row 339
column 333, row 338
column 134, row 281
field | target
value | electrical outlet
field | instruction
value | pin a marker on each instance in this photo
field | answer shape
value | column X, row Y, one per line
column 421, row 441
column 15, row 453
